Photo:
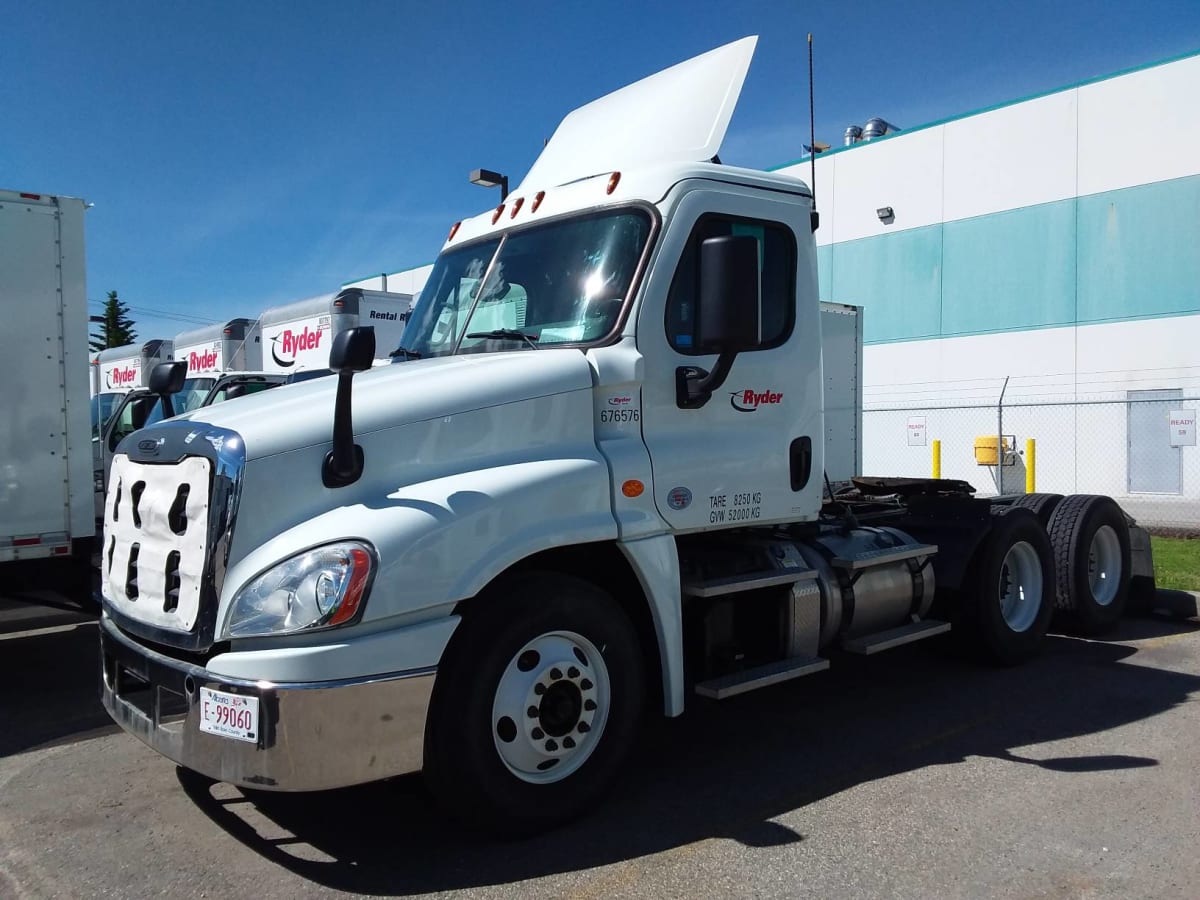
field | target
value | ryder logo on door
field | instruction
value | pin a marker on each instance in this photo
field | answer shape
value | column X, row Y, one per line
column 750, row 401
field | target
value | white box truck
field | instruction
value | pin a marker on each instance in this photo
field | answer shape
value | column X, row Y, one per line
column 119, row 370
column 45, row 443
column 297, row 336
column 604, row 481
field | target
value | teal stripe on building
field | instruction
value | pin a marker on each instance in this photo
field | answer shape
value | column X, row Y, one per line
column 1127, row 254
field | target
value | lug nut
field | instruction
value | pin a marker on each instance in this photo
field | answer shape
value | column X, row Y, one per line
column 537, row 734
column 551, row 745
column 572, row 672
column 556, row 674
column 533, row 712
column 586, row 684
column 539, row 689
column 568, row 743
column 589, row 705
column 584, row 727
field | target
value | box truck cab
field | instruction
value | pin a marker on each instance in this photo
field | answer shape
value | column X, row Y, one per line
column 600, row 484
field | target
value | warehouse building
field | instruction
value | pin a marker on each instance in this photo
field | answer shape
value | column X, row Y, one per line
column 1030, row 271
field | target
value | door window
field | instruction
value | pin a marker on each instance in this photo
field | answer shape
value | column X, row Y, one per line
column 777, row 267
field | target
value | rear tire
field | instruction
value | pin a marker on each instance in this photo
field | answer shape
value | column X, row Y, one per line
column 535, row 704
column 1042, row 505
column 1091, row 554
column 1009, row 600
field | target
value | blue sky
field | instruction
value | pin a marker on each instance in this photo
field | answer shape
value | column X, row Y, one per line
column 245, row 154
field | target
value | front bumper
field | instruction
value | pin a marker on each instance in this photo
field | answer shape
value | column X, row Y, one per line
column 313, row 736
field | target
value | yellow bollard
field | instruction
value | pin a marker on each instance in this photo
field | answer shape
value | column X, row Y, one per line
column 1030, row 466
column 937, row 459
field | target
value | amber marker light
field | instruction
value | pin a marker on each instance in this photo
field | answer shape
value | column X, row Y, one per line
column 613, row 180
column 453, row 231
column 632, row 488
column 498, row 213
column 516, row 207
column 537, row 201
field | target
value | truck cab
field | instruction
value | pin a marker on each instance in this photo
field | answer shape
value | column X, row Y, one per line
column 613, row 473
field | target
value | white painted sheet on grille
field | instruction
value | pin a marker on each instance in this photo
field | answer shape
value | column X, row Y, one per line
column 155, row 539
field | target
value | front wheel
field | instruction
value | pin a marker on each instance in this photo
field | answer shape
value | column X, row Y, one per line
column 535, row 704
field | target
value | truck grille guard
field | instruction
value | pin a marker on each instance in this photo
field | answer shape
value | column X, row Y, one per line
column 169, row 444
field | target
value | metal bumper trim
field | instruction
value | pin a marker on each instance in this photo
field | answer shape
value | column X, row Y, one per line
column 313, row 736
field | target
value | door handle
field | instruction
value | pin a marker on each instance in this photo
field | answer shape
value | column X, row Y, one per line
column 800, row 461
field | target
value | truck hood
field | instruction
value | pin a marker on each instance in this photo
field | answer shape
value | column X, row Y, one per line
column 301, row 415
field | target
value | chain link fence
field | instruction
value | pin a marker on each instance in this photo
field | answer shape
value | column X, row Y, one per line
column 1140, row 450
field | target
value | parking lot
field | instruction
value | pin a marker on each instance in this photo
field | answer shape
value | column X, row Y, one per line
column 908, row 774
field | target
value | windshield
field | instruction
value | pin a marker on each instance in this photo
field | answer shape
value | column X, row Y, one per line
column 191, row 395
column 564, row 282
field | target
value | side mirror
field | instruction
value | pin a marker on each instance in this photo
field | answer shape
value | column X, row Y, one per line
column 728, row 315
column 353, row 350
column 167, row 379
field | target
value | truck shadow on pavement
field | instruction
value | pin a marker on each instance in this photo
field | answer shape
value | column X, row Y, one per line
column 727, row 770
column 49, row 663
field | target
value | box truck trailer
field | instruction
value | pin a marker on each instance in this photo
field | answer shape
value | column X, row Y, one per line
column 618, row 469
column 45, row 447
column 296, row 337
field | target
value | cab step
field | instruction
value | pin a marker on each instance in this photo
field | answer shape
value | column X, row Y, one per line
column 761, row 676
column 869, row 558
column 895, row 637
column 747, row 581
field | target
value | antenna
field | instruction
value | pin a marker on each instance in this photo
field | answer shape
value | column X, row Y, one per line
column 814, row 216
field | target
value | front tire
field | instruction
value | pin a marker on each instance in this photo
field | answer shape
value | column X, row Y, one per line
column 535, row 705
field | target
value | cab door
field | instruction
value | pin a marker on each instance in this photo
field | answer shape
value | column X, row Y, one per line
column 752, row 454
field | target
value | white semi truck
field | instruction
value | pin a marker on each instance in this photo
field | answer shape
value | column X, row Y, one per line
column 296, row 337
column 45, row 447
column 618, row 468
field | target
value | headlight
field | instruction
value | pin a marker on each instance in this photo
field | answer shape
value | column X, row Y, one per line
column 320, row 588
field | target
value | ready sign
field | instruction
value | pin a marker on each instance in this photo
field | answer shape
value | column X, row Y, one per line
column 1183, row 427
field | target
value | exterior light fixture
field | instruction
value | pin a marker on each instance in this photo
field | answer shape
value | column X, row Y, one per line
column 489, row 179
column 886, row 214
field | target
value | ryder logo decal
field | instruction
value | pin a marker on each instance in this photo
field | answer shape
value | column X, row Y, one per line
column 121, row 376
column 205, row 361
column 750, row 401
column 286, row 344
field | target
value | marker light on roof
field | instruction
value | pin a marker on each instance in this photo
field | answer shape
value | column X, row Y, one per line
column 453, row 231
column 498, row 213
column 516, row 207
column 613, row 180
column 537, row 201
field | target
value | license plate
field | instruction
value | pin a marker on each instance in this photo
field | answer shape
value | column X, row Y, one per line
column 229, row 715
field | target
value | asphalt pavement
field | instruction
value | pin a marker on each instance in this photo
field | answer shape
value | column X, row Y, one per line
column 913, row 773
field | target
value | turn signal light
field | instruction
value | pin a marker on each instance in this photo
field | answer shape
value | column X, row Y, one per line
column 632, row 488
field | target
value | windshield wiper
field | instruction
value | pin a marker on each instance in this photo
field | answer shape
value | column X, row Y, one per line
column 405, row 352
column 507, row 333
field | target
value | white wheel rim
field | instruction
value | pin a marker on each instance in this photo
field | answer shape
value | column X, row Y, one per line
column 551, row 707
column 1104, row 565
column 1020, row 586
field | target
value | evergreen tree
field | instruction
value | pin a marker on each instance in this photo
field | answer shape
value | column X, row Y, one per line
column 117, row 328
